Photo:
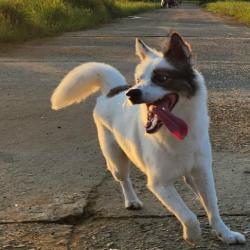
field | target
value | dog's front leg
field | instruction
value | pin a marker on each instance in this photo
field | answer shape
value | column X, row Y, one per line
column 170, row 198
column 204, row 185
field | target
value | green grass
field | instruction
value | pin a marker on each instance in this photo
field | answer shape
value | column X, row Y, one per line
column 237, row 9
column 25, row 19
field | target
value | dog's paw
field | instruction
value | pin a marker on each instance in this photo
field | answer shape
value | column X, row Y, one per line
column 232, row 237
column 133, row 205
column 192, row 233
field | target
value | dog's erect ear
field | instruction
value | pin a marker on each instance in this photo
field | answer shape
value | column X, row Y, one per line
column 142, row 50
column 178, row 49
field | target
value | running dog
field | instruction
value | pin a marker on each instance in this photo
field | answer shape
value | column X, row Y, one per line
column 160, row 124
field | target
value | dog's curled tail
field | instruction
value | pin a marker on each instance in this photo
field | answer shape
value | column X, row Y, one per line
column 83, row 81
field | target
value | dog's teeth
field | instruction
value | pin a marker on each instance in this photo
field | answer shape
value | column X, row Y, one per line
column 154, row 121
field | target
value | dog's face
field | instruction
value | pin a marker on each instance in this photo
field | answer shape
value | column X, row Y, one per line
column 161, row 79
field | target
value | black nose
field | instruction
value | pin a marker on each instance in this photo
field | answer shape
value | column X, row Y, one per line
column 134, row 95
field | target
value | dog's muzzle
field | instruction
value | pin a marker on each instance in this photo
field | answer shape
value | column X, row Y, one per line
column 135, row 96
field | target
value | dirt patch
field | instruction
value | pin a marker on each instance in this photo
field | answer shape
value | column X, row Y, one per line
column 147, row 234
column 35, row 236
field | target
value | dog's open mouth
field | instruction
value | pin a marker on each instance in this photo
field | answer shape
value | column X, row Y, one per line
column 159, row 113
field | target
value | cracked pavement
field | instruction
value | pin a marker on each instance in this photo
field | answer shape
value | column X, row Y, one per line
column 56, row 191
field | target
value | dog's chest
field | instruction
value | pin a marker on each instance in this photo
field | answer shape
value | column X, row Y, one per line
column 173, row 153
column 159, row 152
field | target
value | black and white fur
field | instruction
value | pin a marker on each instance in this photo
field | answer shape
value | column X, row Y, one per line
column 160, row 156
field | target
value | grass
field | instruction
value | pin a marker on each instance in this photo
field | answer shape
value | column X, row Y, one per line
column 237, row 9
column 25, row 19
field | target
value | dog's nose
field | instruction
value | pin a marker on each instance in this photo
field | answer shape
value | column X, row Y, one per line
column 134, row 95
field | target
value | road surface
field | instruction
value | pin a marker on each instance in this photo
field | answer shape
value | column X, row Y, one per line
column 55, row 190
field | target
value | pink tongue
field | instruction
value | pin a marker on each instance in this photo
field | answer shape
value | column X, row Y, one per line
column 175, row 125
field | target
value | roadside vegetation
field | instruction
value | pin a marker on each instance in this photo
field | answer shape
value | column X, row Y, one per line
column 237, row 9
column 25, row 19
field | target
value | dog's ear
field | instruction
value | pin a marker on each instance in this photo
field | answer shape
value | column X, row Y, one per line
column 143, row 51
column 178, row 49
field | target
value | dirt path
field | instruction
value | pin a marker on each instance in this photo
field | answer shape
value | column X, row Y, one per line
column 56, row 193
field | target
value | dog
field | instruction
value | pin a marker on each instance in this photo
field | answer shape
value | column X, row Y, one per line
column 160, row 124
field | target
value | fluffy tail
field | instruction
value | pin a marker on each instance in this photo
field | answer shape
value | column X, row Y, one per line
column 83, row 81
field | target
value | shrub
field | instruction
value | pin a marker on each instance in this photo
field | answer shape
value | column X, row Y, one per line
column 23, row 19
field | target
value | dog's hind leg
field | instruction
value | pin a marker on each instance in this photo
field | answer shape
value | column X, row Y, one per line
column 119, row 165
column 131, row 200
column 188, row 179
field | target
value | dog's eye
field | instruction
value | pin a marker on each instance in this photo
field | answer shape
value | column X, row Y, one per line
column 161, row 78
column 138, row 80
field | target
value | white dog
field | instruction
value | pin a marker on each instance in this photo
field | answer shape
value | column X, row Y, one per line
column 165, row 135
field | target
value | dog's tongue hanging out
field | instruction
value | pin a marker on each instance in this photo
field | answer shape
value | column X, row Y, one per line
column 160, row 112
column 175, row 125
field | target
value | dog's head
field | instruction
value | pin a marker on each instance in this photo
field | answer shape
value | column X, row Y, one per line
column 162, row 78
